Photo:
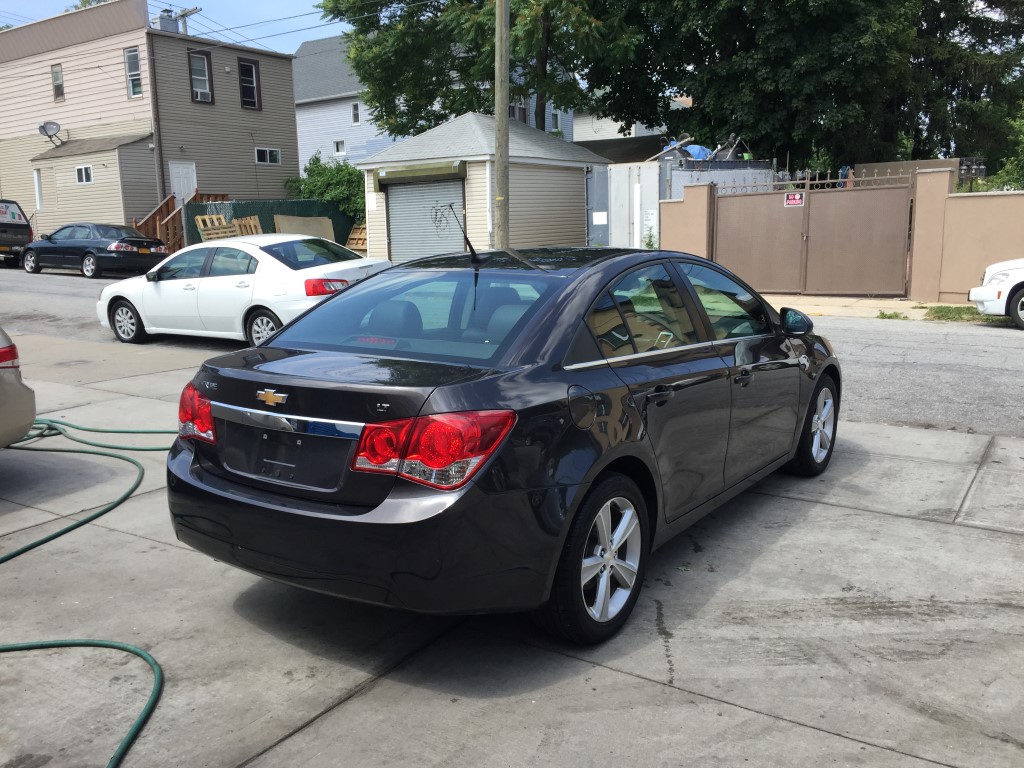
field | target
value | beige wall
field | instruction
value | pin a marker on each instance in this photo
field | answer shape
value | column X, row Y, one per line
column 70, row 28
column 956, row 236
column 547, row 206
column 477, row 197
column 99, row 201
column 221, row 137
column 376, row 221
column 686, row 223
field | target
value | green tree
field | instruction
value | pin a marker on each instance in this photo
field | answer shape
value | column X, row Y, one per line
column 84, row 4
column 1012, row 172
column 339, row 182
column 6, row 26
column 422, row 63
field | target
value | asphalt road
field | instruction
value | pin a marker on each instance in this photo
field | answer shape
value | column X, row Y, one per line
column 948, row 376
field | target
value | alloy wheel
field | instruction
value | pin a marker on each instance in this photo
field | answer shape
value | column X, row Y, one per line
column 124, row 322
column 261, row 329
column 611, row 559
column 823, row 425
column 89, row 266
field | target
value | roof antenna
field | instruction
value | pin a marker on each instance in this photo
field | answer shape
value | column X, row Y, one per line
column 474, row 258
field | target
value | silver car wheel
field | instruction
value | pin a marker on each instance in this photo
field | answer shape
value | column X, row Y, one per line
column 823, row 425
column 89, row 266
column 30, row 262
column 611, row 559
column 124, row 322
column 261, row 329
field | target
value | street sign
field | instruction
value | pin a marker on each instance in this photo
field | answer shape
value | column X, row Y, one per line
column 794, row 200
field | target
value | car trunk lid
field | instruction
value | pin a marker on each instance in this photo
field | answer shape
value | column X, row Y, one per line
column 289, row 421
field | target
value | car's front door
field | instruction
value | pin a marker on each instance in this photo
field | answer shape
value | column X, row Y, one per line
column 51, row 251
column 226, row 291
column 649, row 331
column 764, row 371
column 171, row 302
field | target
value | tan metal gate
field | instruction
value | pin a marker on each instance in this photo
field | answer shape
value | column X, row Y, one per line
column 817, row 236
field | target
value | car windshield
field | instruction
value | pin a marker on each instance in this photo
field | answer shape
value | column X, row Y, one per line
column 453, row 315
column 311, row 252
column 116, row 233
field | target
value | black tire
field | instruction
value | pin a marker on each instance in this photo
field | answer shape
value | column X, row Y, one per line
column 261, row 325
column 126, row 323
column 30, row 262
column 91, row 266
column 568, row 612
column 1015, row 308
column 812, row 457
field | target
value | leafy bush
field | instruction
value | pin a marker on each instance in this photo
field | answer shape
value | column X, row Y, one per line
column 339, row 182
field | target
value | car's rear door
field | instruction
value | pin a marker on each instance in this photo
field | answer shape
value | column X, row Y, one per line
column 226, row 291
column 650, row 334
column 171, row 302
column 763, row 370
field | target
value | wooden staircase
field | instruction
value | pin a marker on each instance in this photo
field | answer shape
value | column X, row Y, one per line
column 166, row 222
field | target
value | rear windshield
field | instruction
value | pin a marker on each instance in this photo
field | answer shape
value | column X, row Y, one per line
column 433, row 315
column 11, row 213
column 116, row 233
column 299, row 254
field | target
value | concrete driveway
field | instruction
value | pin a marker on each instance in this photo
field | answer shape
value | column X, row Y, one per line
column 873, row 616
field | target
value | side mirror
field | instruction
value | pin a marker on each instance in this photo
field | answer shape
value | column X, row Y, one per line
column 153, row 276
column 795, row 322
column 45, row 237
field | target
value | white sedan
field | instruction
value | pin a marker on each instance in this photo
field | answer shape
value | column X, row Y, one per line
column 237, row 288
column 1001, row 291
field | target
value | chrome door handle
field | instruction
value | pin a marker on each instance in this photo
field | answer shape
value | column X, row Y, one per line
column 242, row 284
column 744, row 378
column 188, row 287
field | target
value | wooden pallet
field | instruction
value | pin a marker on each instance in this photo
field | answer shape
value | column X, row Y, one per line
column 357, row 238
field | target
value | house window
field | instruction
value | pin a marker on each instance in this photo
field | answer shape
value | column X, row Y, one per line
column 199, row 68
column 267, row 156
column 37, row 182
column 517, row 111
column 555, row 126
column 249, row 84
column 355, row 113
column 84, row 174
column 339, row 147
column 57, row 76
column 133, row 72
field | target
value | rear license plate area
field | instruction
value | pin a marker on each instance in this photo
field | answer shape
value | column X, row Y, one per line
column 287, row 458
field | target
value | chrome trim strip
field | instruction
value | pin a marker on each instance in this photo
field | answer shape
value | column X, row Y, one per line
column 303, row 425
column 638, row 356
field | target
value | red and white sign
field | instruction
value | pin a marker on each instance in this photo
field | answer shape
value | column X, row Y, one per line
column 794, row 200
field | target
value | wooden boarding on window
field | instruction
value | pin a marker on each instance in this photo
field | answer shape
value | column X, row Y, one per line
column 316, row 226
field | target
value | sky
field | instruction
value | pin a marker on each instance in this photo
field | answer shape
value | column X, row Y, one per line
column 280, row 25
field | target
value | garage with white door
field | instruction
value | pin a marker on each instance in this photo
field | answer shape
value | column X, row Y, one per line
column 421, row 193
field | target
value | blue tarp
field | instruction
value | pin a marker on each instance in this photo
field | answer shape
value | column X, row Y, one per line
column 697, row 152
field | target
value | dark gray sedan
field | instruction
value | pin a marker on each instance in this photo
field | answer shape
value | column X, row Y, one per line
column 93, row 249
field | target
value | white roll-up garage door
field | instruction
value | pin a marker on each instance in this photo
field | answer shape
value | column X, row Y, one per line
column 420, row 221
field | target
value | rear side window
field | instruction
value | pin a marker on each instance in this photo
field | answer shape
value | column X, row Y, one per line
column 299, row 254
column 230, row 261
column 453, row 316
column 11, row 213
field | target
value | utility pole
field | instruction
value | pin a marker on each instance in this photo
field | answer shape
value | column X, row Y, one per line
column 183, row 15
column 501, row 24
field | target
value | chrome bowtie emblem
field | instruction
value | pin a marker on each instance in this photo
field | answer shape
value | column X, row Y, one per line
column 270, row 397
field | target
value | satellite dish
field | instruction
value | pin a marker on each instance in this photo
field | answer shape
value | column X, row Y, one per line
column 49, row 128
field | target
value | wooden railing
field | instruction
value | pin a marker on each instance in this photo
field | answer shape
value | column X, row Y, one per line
column 166, row 220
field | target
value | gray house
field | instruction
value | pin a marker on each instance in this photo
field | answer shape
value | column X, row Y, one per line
column 333, row 121
column 143, row 112
column 415, row 190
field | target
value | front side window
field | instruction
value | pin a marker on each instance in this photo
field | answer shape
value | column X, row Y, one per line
column 64, row 233
column 184, row 266
column 57, row 77
column 199, row 68
column 355, row 113
column 734, row 311
column 268, row 156
column 133, row 72
column 249, row 84
column 84, row 174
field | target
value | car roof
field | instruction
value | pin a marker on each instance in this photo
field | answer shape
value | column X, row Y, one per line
column 259, row 240
column 556, row 260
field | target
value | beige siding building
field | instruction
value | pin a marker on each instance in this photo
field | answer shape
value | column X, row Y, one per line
column 137, row 114
column 419, row 192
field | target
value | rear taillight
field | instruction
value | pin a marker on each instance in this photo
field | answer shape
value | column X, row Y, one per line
column 195, row 416
column 9, row 357
column 121, row 247
column 159, row 249
column 31, row 236
column 442, row 451
column 320, row 286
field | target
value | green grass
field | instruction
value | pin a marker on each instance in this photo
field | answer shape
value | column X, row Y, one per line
column 964, row 315
column 883, row 315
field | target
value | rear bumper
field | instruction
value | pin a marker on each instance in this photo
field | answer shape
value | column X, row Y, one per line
column 422, row 550
column 989, row 299
column 17, row 409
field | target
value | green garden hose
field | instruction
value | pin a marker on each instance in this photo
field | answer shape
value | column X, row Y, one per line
column 43, row 428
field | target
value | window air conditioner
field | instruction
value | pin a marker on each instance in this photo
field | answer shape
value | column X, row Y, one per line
column 202, row 96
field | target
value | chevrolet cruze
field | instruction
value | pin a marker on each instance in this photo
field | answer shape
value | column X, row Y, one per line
column 508, row 431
